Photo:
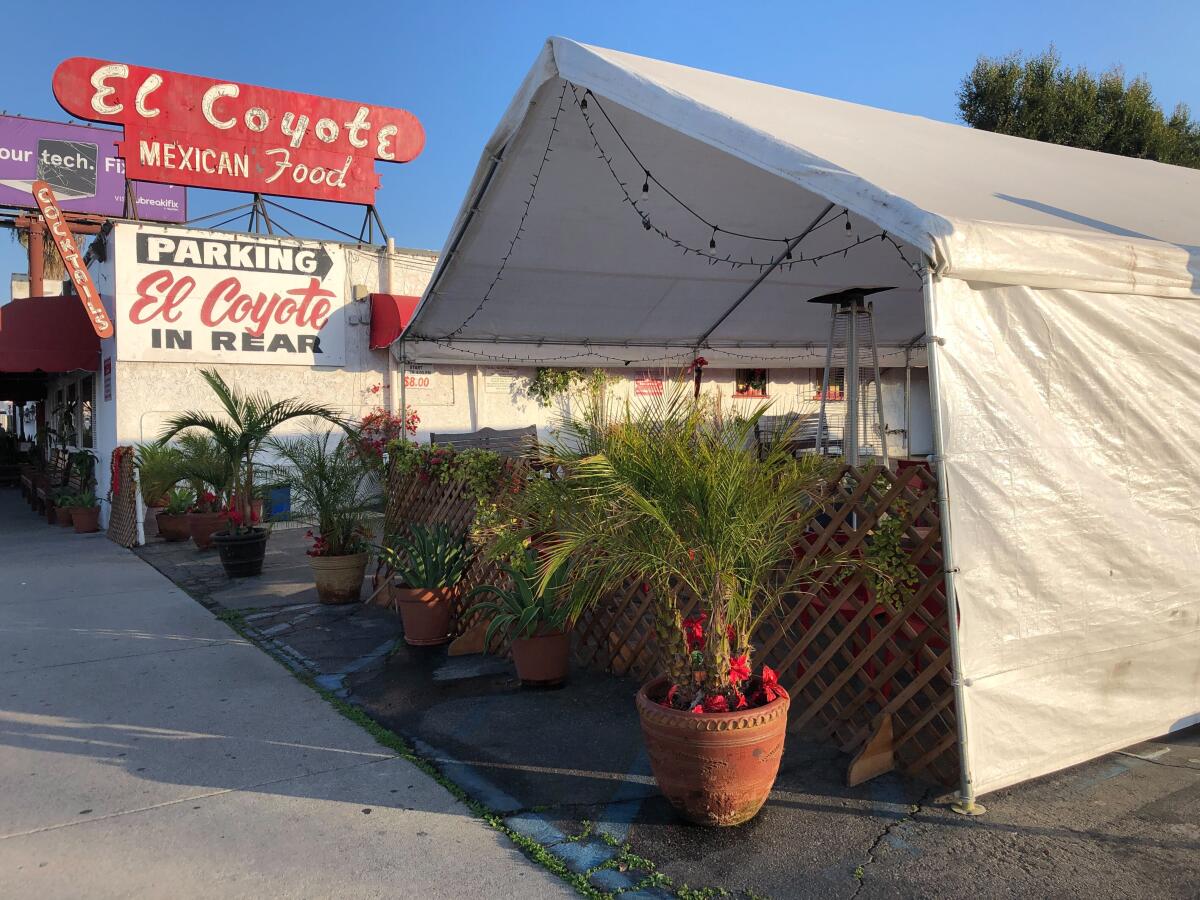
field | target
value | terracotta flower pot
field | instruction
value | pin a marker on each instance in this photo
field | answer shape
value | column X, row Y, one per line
column 714, row 768
column 339, row 578
column 86, row 519
column 203, row 525
column 542, row 660
column 174, row 528
column 62, row 516
column 425, row 613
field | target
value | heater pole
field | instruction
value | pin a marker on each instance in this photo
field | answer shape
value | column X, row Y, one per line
column 851, row 452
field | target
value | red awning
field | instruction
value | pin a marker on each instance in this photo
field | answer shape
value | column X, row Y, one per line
column 47, row 334
column 390, row 315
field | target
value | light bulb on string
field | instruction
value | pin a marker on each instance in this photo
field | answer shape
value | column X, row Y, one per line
column 646, row 183
column 847, row 214
column 712, row 241
column 646, row 223
column 583, row 102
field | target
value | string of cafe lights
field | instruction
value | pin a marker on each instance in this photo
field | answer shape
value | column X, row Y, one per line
column 802, row 351
column 684, row 355
column 581, row 103
column 533, row 186
column 647, row 224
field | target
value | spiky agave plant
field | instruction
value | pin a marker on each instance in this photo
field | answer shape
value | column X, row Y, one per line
column 672, row 492
column 248, row 420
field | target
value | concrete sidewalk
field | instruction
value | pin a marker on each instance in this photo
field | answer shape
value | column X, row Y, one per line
column 146, row 750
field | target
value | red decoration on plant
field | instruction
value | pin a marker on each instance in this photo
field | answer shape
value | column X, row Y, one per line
column 716, row 704
column 693, row 630
column 770, row 684
column 379, row 428
column 739, row 669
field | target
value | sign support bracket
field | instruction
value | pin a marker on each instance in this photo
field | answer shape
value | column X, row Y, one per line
column 371, row 221
column 259, row 218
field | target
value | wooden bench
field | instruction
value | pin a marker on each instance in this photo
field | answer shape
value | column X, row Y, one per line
column 45, row 483
column 803, row 437
column 511, row 442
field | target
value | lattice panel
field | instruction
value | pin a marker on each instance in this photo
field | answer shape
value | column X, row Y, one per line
column 122, row 514
column 412, row 500
column 844, row 658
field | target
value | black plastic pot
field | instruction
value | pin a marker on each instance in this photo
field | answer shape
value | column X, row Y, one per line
column 242, row 554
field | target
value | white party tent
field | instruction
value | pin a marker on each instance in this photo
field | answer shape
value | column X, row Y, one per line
column 628, row 211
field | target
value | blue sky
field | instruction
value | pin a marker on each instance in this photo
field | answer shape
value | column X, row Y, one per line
column 456, row 65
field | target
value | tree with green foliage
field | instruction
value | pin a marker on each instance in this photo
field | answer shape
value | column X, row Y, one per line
column 1040, row 98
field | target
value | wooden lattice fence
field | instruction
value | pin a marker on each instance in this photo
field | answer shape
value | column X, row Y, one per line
column 873, row 678
column 425, row 501
column 122, row 511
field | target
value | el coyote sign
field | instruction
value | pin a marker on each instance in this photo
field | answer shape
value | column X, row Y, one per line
column 184, row 129
column 201, row 297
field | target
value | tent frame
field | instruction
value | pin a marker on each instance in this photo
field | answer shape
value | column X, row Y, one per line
column 966, row 804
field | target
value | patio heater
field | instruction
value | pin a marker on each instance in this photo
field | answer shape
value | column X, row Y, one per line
column 851, row 379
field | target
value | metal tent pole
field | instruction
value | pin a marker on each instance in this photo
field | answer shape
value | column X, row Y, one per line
column 881, row 424
column 403, row 393
column 966, row 800
column 851, row 452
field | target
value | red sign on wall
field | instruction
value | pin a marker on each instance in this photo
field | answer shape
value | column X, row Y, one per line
column 68, row 252
column 184, row 129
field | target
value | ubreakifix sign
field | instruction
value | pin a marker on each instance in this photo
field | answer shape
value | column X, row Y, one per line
column 205, row 297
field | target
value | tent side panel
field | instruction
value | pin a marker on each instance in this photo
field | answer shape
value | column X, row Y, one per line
column 1071, row 422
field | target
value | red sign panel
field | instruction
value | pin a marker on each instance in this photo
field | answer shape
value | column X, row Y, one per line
column 184, row 129
column 72, row 259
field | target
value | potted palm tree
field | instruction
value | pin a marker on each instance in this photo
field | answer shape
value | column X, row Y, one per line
column 159, row 470
column 206, row 468
column 535, row 617
column 246, row 422
column 672, row 494
column 330, row 491
column 427, row 567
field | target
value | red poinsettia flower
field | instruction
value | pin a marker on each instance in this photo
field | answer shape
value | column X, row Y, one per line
column 739, row 669
column 717, row 704
column 740, row 702
column 770, row 684
column 671, row 695
column 697, row 708
column 693, row 630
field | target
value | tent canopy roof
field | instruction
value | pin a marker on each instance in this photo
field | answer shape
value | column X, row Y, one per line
column 557, row 210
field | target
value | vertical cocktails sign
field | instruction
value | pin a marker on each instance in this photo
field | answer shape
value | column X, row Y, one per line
column 201, row 132
column 68, row 252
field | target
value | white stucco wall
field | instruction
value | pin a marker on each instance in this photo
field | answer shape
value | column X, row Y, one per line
column 448, row 398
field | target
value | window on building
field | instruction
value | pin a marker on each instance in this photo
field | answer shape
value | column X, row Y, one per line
column 837, row 385
column 750, row 383
column 68, row 420
column 87, row 412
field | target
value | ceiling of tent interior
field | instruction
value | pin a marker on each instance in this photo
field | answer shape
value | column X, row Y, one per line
column 585, row 263
column 550, row 251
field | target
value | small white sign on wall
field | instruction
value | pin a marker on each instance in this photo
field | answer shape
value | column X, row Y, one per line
column 500, row 381
column 423, row 386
